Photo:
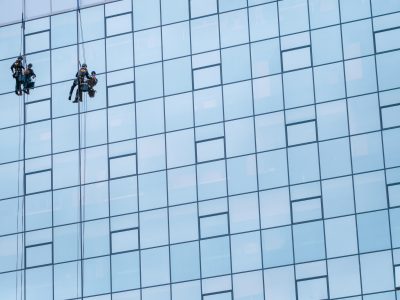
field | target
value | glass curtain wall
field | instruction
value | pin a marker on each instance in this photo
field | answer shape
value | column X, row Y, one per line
column 235, row 150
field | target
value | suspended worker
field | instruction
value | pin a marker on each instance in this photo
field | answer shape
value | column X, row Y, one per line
column 91, row 83
column 29, row 74
column 79, row 81
column 16, row 69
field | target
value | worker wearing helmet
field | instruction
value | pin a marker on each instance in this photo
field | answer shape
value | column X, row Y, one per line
column 16, row 69
column 79, row 80
column 29, row 74
column 91, row 83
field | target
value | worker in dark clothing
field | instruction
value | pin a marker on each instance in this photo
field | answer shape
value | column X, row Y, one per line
column 91, row 83
column 29, row 74
column 17, row 68
column 78, row 81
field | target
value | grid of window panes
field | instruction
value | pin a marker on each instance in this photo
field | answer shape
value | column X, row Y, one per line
column 235, row 149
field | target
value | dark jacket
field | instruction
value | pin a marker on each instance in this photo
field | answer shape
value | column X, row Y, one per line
column 17, row 67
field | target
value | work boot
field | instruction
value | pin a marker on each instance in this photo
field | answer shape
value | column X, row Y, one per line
column 69, row 97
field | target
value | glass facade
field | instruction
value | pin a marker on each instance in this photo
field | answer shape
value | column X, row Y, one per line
column 235, row 150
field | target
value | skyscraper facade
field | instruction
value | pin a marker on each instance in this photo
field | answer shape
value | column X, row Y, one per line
column 234, row 150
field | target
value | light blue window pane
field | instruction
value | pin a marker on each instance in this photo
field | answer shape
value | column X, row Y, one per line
column 121, row 123
column 387, row 72
column 377, row 272
column 270, row 131
column 147, row 46
column 360, row 76
column 301, row 133
column 267, row 93
column 341, row 236
column 277, row 247
column 323, row 13
column 236, row 64
column 306, row 210
column 366, row 152
column 364, row 114
column 11, row 39
column 357, row 39
column 114, row 47
column 179, row 111
column 226, row 5
column 9, row 257
column 326, row 45
column 381, row 296
column 332, row 119
column 246, row 252
column 242, row 174
column 130, row 295
column 329, row 82
column 9, row 178
column 265, row 58
column 204, row 34
column 159, row 292
column 279, row 283
column 239, row 137
column 202, row 7
column 64, row 63
column 37, row 42
column 38, row 139
column 383, row 7
column 7, row 86
column 95, row 60
column 177, row 76
column 214, row 225
column 208, row 106
column 94, row 128
column 65, row 242
column 123, row 195
column 65, row 169
column 41, row 65
column 298, row 87
column 180, row 148
column 125, row 271
column 354, row 9
column 150, row 117
column 183, row 223
column 65, row 133
column 32, row 10
column 95, row 164
column 176, row 39
column 92, row 23
column 182, row 185
column 391, row 142
column 186, row 290
column 293, row 16
column 152, row 190
column 147, row 14
column 209, row 76
column 96, row 237
column 38, row 255
column 215, row 256
column 344, row 276
column 63, row 29
column 39, row 283
column 313, row 288
column 335, row 158
column 274, row 208
column 303, row 163
column 149, row 83
column 243, row 213
column 119, row 24
column 370, row 191
column 65, row 204
column 211, row 180
column 125, row 240
column 248, row 286
column 309, row 241
column 238, row 100
column 296, row 58
column 38, row 209
column 272, row 169
column 395, row 228
column 8, row 211
column 66, row 281
column 153, row 228
column 151, row 153
column 185, row 263
column 373, row 231
column 155, row 266
column 234, row 28
column 96, row 276
column 174, row 11
column 263, row 22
